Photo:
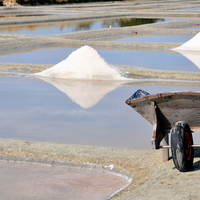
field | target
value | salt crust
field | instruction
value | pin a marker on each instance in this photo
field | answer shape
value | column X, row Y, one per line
column 191, row 45
column 84, row 63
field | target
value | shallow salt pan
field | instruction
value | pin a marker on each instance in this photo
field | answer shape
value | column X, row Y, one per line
column 191, row 45
column 84, row 64
column 27, row 181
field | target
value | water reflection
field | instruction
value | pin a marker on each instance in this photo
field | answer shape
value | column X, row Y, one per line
column 67, row 27
column 85, row 93
column 193, row 56
column 35, row 110
column 124, row 22
column 185, row 9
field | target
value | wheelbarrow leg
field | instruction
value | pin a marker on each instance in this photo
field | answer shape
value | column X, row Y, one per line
column 165, row 152
column 159, row 132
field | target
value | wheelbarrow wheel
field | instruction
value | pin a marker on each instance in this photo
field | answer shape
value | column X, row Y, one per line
column 182, row 153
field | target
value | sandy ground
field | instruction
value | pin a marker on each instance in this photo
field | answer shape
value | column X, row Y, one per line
column 152, row 178
column 187, row 78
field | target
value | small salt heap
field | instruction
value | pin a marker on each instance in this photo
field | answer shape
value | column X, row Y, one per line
column 191, row 45
column 84, row 63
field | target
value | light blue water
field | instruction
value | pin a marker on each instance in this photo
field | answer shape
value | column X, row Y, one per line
column 185, row 9
column 164, row 39
column 35, row 110
column 195, row 28
column 155, row 60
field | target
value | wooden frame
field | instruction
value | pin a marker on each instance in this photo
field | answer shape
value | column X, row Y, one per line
column 163, row 110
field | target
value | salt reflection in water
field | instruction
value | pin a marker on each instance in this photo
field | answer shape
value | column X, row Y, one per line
column 85, row 93
column 193, row 56
column 35, row 110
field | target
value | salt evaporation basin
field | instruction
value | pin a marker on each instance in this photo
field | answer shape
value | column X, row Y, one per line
column 191, row 45
column 26, row 181
column 84, row 64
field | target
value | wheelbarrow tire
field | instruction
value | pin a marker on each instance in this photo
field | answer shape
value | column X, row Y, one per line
column 182, row 153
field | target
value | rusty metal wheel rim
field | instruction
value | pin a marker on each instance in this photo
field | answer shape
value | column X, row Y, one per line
column 187, row 143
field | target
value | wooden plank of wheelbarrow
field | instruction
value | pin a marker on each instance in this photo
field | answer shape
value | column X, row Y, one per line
column 174, row 106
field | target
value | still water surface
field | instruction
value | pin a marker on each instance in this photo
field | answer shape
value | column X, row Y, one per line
column 73, row 26
column 185, row 9
column 155, row 60
column 194, row 28
column 37, row 110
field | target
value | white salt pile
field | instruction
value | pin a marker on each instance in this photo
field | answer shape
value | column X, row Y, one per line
column 84, row 63
column 191, row 45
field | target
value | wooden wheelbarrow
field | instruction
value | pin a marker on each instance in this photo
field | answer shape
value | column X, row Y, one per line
column 177, row 113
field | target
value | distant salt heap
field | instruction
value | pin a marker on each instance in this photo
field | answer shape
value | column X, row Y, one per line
column 191, row 45
column 84, row 63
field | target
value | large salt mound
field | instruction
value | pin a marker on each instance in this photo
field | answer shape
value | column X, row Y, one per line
column 84, row 63
column 192, row 45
